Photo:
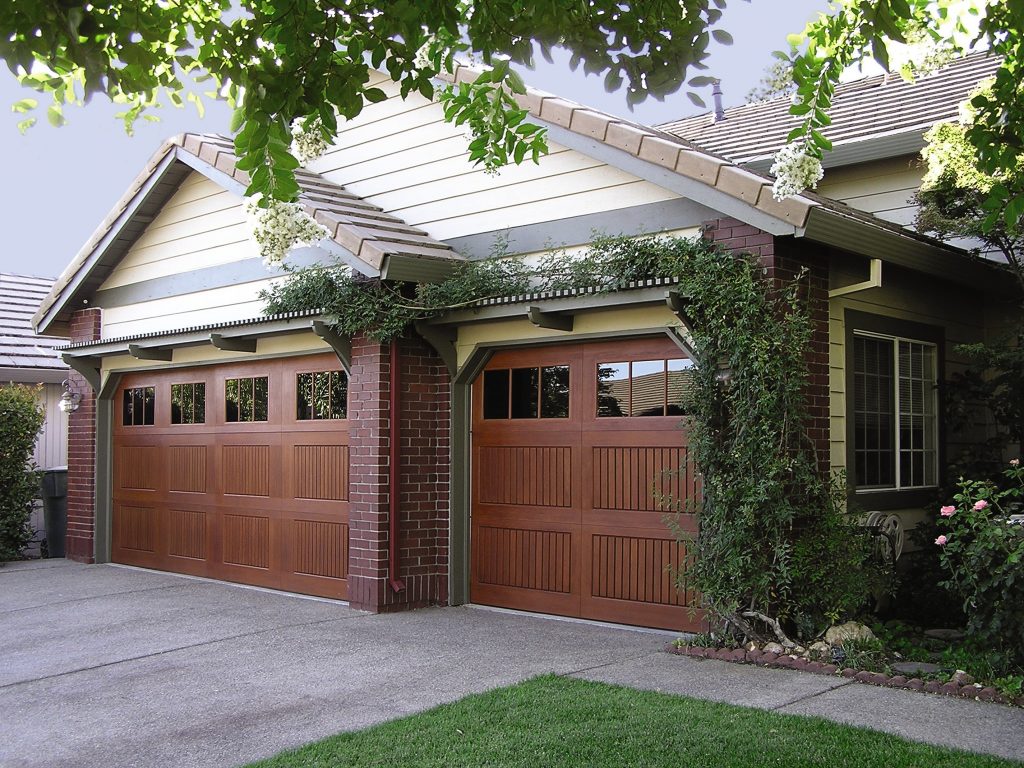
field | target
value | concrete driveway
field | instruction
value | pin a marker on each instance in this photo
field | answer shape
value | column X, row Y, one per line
column 101, row 665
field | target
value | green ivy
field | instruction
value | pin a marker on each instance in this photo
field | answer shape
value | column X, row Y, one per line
column 774, row 533
column 21, row 418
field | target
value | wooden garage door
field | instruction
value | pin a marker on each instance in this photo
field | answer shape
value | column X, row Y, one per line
column 576, row 450
column 235, row 472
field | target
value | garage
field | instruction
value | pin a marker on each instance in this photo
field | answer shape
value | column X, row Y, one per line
column 235, row 471
column 577, row 452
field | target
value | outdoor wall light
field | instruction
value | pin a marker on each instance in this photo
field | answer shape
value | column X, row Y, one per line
column 69, row 400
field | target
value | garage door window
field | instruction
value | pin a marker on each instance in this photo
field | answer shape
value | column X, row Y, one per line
column 139, row 406
column 188, row 403
column 246, row 399
column 642, row 387
column 527, row 393
column 321, row 395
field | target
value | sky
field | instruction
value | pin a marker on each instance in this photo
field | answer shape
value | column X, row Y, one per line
column 59, row 183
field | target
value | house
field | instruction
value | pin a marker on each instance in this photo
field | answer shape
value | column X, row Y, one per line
column 471, row 461
column 26, row 358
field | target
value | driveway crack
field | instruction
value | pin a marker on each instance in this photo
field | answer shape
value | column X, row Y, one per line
column 574, row 672
column 93, row 597
column 844, row 682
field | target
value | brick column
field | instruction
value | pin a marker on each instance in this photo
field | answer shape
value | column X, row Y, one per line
column 782, row 259
column 85, row 326
column 424, row 467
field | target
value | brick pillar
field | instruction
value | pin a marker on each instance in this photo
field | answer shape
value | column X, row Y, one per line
column 85, row 326
column 424, row 467
column 782, row 259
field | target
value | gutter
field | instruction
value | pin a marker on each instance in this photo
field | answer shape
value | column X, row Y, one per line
column 394, row 488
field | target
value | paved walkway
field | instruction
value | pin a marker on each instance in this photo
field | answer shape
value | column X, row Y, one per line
column 101, row 665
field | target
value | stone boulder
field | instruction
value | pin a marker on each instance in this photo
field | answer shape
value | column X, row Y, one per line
column 841, row 634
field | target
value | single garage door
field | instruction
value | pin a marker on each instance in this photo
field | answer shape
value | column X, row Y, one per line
column 577, row 450
column 236, row 472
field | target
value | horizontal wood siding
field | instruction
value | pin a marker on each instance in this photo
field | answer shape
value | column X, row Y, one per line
column 961, row 314
column 883, row 188
column 402, row 156
column 202, row 225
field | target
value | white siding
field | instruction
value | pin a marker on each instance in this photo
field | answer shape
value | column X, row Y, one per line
column 882, row 187
column 202, row 225
column 402, row 156
column 52, row 445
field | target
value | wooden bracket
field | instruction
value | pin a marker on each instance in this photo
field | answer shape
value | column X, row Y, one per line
column 683, row 338
column 556, row 321
column 232, row 343
column 89, row 367
column 442, row 339
column 150, row 353
column 342, row 346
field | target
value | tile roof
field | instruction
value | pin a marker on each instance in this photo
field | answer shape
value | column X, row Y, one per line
column 20, row 347
column 872, row 106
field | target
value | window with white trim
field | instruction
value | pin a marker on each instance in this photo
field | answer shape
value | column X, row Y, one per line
column 895, row 413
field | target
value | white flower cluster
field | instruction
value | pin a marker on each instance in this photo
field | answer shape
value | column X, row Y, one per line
column 280, row 227
column 307, row 141
column 422, row 58
column 794, row 171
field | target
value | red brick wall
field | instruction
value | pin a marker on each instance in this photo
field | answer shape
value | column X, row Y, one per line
column 424, row 477
column 782, row 259
column 85, row 326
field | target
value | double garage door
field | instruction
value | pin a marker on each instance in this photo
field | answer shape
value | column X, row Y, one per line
column 236, row 472
column 241, row 472
column 578, row 453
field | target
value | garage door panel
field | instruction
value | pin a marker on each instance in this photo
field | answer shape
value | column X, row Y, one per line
column 262, row 503
column 595, row 486
column 524, row 567
column 632, row 578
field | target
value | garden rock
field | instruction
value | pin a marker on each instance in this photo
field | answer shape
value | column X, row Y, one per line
column 819, row 649
column 841, row 634
column 962, row 678
column 773, row 648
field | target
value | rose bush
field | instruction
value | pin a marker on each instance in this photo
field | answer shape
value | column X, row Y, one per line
column 983, row 554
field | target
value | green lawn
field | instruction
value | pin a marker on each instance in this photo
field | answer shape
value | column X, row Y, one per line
column 555, row 721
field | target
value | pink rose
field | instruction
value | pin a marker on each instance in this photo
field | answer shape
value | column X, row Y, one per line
column 1014, row 462
column 947, row 511
column 980, row 505
column 941, row 541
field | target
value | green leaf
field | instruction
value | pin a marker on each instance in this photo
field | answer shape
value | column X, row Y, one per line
column 237, row 120
column 721, row 36
column 55, row 116
column 24, row 105
column 375, row 95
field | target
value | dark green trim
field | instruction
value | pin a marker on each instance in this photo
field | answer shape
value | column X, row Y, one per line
column 890, row 326
column 104, row 484
column 459, row 509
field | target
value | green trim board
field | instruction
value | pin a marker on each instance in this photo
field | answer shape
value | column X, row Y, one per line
column 853, row 321
column 104, row 478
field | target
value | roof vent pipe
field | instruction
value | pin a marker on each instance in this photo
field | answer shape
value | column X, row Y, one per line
column 716, row 94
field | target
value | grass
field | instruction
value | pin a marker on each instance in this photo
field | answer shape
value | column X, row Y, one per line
column 556, row 721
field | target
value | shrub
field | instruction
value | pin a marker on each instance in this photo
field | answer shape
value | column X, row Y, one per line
column 21, row 418
column 982, row 551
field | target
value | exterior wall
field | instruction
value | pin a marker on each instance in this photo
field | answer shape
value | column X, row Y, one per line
column 424, row 473
column 85, row 326
column 881, row 187
column 402, row 156
column 904, row 296
column 52, row 445
column 201, row 226
column 783, row 259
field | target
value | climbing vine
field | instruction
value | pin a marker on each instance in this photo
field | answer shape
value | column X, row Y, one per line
column 776, row 543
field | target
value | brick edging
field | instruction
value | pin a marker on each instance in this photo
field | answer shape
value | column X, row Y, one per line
column 782, row 661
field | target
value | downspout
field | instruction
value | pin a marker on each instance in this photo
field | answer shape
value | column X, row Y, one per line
column 394, row 488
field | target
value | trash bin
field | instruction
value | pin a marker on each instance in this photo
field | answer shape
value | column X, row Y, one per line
column 55, row 509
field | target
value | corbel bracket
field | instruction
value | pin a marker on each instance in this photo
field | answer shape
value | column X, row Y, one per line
column 342, row 346
column 233, row 343
column 89, row 367
column 556, row 321
column 150, row 353
column 442, row 339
